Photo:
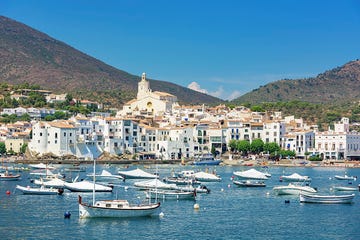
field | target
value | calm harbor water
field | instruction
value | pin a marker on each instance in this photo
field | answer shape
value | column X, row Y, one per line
column 228, row 212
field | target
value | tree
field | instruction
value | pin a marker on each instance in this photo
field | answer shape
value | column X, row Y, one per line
column 232, row 145
column 257, row 146
column 60, row 115
column 23, row 148
column 271, row 148
column 2, row 148
column 243, row 146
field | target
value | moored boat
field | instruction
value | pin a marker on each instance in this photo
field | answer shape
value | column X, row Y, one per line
column 116, row 209
column 6, row 176
column 343, row 188
column 345, row 177
column 54, row 182
column 137, row 174
column 40, row 191
column 86, row 186
column 295, row 177
column 206, row 177
column 249, row 183
column 293, row 189
column 206, row 159
column 154, row 183
column 310, row 198
column 105, row 175
column 251, row 174
column 170, row 194
column 181, row 181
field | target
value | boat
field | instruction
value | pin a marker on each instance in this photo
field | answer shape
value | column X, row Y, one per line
column 206, row 159
column 86, row 186
column 54, row 183
column 251, row 174
column 345, row 177
column 105, row 175
column 181, row 181
column 40, row 190
column 7, row 176
column 293, row 189
column 249, row 183
column 137, row 174
column 198, row 189
column 41, row 166
column 310, row 198
column 45, row 173
column 75, row 169
column 343, row 188
column 206, row 177
column 115, row 208
column 186, row 174
column 295, row 177
column 170, row 194
column 154, row 183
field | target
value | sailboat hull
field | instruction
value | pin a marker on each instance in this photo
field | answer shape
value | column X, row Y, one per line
column 87, row 211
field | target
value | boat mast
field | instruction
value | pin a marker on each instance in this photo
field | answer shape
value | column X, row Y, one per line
column 94, row 183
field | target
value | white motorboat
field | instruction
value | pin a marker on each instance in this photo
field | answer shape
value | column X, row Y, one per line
column 86, row 186
column 206, row 177
column 295, row 177
column 249, row 183
column 206, row 159
column 187, row 174
column 310, row 198
column 345, row 177
column 105, row 175
column 251, row 174
column 41, row 166
column 116, row 209
column 45, row 173
column 54, row 182
column 40, row 191
column 170, row 194
column 343, row 188
column 198, row 189
column 154, row 183
column 7, row 176
column 137, row 174
column 181, row 181
column 293, row 189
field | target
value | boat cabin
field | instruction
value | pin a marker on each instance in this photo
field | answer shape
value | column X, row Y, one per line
column 113, row 204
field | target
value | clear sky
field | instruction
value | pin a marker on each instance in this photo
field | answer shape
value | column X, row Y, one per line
column 224, row 47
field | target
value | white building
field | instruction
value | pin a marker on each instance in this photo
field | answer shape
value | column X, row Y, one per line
column 148, row 102
column 58, row 138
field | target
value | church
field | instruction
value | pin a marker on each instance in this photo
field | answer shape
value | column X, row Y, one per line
column 148, row 102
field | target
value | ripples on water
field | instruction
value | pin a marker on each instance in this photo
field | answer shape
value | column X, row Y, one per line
column 228, row 212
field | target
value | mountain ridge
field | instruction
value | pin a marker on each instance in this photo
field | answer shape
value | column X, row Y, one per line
column 340, row 84
column 28, row 55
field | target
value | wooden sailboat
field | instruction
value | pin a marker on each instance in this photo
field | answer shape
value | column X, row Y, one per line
column 115, row 208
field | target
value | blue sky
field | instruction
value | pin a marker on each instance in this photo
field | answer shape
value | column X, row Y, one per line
column 225, row 47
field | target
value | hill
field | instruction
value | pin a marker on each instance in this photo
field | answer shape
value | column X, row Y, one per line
column 29, row 56
column 338, row 85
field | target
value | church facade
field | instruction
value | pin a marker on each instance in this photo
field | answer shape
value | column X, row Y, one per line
column 148, row 102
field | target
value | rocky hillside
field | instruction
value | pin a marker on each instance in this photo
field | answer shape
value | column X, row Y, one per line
column 27, row 55
column 341, row 84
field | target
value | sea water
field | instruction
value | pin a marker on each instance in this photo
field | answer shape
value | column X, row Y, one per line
column 228, row 212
